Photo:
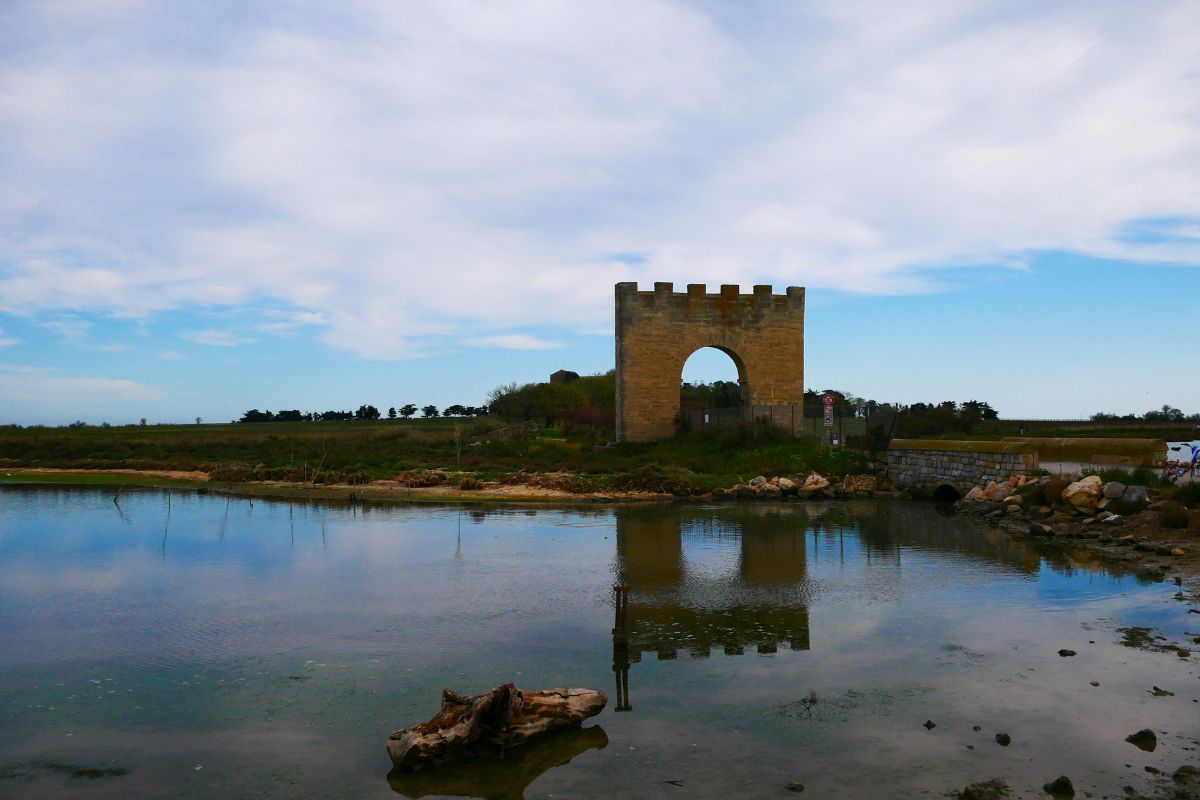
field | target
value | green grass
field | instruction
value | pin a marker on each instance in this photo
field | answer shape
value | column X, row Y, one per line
column 360, row 451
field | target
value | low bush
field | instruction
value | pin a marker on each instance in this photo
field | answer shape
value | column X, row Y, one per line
column 1188, row 494
column 655, row 478
column 1172, row 515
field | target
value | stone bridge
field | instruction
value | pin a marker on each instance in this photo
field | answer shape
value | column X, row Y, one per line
column 946, row 469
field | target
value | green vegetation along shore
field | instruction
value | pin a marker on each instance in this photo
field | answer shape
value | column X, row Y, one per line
column 360, row 452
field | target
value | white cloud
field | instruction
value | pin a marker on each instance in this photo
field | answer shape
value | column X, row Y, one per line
column 513, row 341
column 7, row 341
column 403, row 177
column 170, row 355
column 42, row 387
column 215, row 338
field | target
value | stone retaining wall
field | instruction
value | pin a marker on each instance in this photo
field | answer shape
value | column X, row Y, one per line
column 923, row 465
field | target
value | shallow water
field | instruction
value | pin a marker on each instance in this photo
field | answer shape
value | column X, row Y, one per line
column 206, row 647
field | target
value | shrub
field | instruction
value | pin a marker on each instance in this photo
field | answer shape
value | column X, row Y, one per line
column 421, row 478
column 1188, row 494
column 470, row 483
column 654, row 478
column 1172, row 515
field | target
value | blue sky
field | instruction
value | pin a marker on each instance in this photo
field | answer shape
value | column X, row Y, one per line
column 210, row 207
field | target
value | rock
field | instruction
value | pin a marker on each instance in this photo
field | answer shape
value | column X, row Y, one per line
column 787, row 485
column 1053, row 489
column 1003, row 739
column 467, row 726
column 1178, row 551
column 1090, row 521
column 929, row 724
column 1143, row 740
column 1162, row 550
column 1012, row 509
column 1045, row 511
column 1066, row 653
column 1187, row 775
column 1095, row 683
column 1084, row 493
column 1103, row 515
column 1113, row 490
column 996, row 492
column 795, row 786
column 759, row 481
column 1104, row 503
column 768, row 491
column 1114, row 520
column 1136, row 494
column 1060, row 787
column 975, row 494
column 1014, row 500
column 995, row 789
column 977, row 728
column 1038, row 529
column 815, row 482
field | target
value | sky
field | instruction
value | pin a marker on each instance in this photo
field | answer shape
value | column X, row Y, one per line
column 207, row 207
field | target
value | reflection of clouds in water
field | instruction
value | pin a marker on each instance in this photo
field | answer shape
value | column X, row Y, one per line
column 905, row 615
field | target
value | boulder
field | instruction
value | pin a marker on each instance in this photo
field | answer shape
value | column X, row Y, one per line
column 976, row 493
column 1060, row 787
column 1136, row 494
column 759, row 481
column 1083, row 493
column 815, row 482
column 1103, row 515
column 1053, row 489
column 996, row 492
column 995, row 789
column 1115, row 519
column 1113, row 490
column 1145, row 739
column 786, row 484
column 768, row 491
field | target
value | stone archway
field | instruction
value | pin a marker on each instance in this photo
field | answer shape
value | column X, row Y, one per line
column 657, row 331
column 739, row 367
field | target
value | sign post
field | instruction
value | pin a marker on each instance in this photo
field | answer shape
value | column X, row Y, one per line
column 828, row 400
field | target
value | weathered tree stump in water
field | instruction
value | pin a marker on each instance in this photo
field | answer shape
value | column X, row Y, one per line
column 490, row 722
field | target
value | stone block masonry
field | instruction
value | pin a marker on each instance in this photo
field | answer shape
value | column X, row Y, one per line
column 657, row 331
column 924, row 465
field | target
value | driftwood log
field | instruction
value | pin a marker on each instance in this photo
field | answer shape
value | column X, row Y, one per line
column 488, row 723
column 499, row 778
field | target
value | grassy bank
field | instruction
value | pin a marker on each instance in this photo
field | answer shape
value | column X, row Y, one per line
column 358, row 452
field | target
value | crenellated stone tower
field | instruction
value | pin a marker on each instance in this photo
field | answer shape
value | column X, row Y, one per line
column 657, row 331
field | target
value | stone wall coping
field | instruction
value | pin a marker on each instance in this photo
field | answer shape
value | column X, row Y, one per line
column 1097, row 444
column 961, row 446
column 701, row 290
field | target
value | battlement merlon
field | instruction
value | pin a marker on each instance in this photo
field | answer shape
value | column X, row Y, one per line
column 664, row 292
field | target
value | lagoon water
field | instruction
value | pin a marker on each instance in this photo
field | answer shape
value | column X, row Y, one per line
column 197, row 646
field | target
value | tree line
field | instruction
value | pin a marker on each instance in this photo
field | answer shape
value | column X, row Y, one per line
column 1165, row 414
column 364, row 413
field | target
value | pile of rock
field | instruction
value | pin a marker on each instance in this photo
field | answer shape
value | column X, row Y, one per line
column 813, row 485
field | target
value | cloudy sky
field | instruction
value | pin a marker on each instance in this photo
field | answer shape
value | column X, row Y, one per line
column 210, row 206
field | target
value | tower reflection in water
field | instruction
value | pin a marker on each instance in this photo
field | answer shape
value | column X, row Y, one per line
column 735, row 578
column 695, row 580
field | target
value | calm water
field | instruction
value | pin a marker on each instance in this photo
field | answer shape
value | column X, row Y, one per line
column 225, row 649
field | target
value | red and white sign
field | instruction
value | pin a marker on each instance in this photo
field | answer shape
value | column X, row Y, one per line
column 828, row 400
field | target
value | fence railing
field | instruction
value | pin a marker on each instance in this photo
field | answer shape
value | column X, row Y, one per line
column 789, row 417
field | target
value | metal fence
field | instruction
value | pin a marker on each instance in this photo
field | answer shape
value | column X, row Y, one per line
column 789, row 417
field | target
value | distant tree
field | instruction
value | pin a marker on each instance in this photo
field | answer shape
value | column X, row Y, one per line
column 254, row 415
column 455, row 410
column 197, row 420
column 366, row 413
column 407, row 410
column 293, row 415
column 78, row 424
column 1165, row 414
column 392, row 412
column 429, row 411
column 143, row 422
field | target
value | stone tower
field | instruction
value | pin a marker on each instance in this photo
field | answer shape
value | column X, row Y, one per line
column 657, row 331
